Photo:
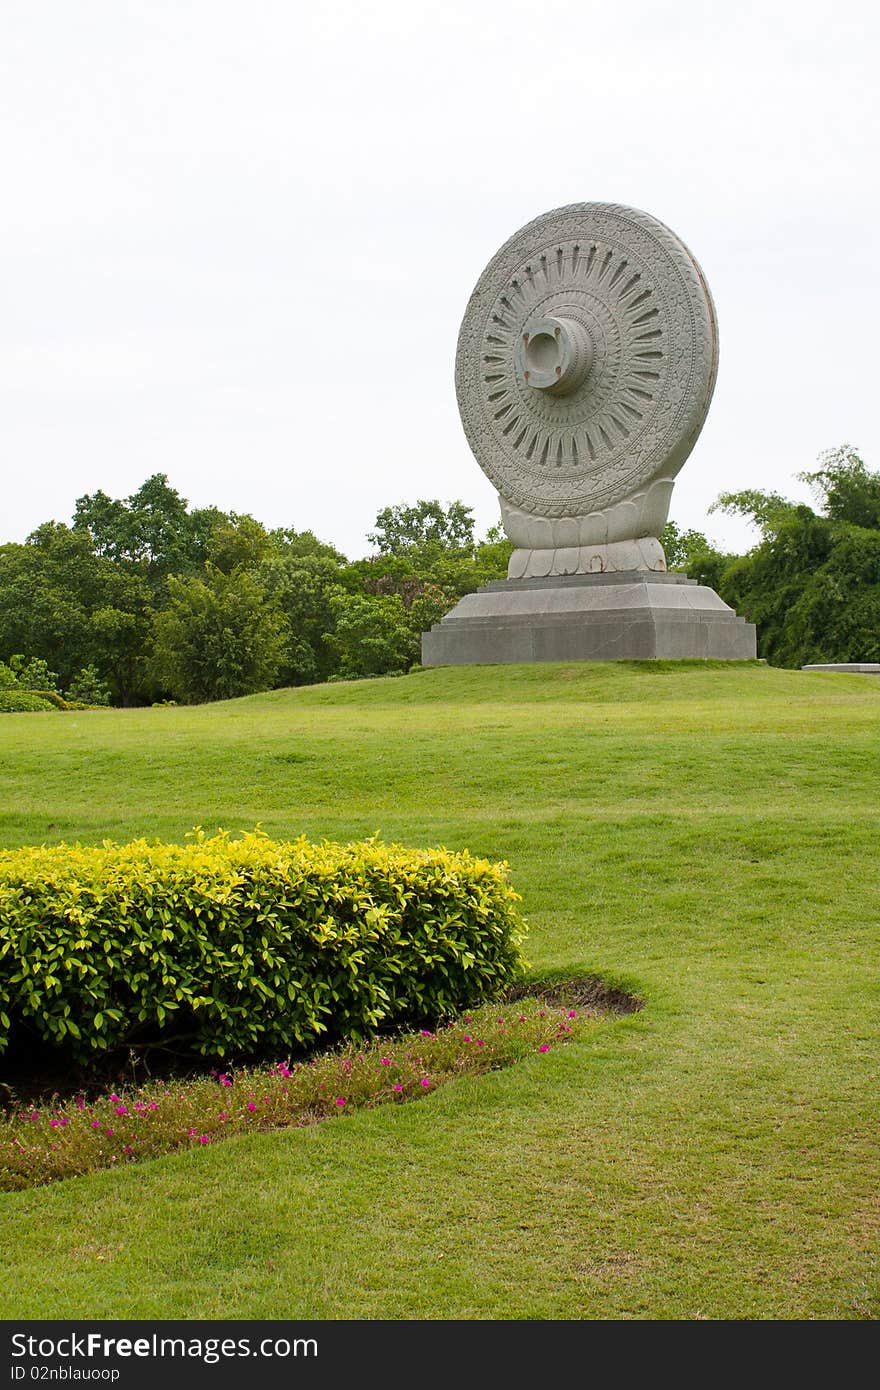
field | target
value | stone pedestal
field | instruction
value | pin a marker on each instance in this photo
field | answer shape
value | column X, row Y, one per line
column 589, row 617
column 850, row 668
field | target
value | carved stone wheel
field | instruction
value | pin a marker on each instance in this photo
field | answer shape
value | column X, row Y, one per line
column 586, row 361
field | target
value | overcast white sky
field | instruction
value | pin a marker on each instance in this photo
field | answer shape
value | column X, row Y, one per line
column 239, row 237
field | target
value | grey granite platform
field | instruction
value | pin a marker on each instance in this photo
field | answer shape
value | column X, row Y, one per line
column 853, row 668
column 589, row 617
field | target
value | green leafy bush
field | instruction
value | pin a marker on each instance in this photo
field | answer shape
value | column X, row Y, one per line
column 27, row 673
column 88, row 688
column 239, row 946
column 13, row 701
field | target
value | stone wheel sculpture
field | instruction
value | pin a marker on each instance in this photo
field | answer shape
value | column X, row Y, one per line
column 586, row 363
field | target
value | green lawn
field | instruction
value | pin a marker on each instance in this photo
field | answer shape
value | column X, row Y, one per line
column 706, row 835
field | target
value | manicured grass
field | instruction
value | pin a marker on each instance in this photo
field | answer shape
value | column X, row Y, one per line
column 706, row 835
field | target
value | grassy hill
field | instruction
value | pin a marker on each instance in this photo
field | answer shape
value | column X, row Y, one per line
column 707, row 835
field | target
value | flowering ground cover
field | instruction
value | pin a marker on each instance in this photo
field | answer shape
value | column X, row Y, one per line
column 64, row 1138
column 705, row 836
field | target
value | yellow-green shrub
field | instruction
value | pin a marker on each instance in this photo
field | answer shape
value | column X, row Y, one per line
column 238, row 946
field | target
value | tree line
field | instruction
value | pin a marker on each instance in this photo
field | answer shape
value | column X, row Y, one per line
column 812, row 583
column 142, row 600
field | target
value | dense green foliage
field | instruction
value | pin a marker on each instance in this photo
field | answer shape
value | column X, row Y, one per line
column 217, row 637
column 14, row 701
column 812, row 584
column 143, row 599
column 407, row 529
column 29, row 685
column 239, row 946
column 695, row 555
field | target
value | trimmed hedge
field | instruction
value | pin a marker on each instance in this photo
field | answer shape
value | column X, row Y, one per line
column 240, row 946
column 14, row 701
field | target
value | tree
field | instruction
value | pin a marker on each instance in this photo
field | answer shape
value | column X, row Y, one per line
column 304, row 543
column 88, row 688
column 845, row 488
column 237, row 542
column 119, row 634
column 63, row 603
column 371, row 635
column 765, row 510
column 27, row 673
column 303, row 587
column 812, row 584
column 427, row 524
column 152, row 527
column 408, row 569
column 695, row 555
column 218, row 637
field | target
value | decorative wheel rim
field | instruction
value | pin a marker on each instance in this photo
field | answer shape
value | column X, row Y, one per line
column 586, row 360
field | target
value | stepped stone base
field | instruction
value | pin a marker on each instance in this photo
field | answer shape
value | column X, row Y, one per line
column 627, row 616
column 852, row 668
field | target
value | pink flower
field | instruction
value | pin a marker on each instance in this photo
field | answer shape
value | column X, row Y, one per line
column 224, row 1079
column 545, row 1047
column 466, row 1038
column 425, row 1081
column 203, row 1138
column 109, row 1133
column 96, row 1124
column 54, row 1123
column 398, row 1087
column 114, row 1096
column 223, row 1116
column 340, row 1100
column 572, row 1013
column 479, row 1042
column 426, row 1033
column 386, row 1061
column 127, row 1149
column 121, row 1110
column 251, row 1106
